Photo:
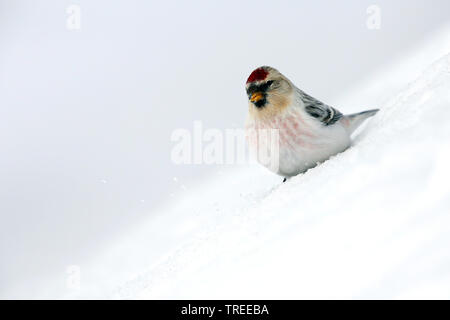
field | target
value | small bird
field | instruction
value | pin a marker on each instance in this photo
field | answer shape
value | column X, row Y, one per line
column 308, row 131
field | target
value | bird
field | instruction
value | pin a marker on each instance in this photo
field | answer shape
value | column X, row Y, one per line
column 307, row 131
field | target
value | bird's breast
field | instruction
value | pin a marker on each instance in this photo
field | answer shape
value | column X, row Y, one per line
column 295, row 142
column 292, row 130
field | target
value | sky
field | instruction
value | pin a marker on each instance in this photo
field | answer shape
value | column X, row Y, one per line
column 87, row 113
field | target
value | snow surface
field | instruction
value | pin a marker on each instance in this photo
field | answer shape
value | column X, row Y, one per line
column 372, row 222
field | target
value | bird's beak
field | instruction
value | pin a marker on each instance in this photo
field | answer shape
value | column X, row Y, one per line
column 256, row 97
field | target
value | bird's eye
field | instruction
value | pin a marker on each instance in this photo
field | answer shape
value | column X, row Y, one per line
column 269, row 83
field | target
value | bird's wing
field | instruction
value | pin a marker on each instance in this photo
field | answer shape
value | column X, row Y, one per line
column 322, row 112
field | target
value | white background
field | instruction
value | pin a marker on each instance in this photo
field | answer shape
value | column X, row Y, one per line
column 86, row 115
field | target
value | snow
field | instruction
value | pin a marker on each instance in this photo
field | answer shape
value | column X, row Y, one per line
column 372, row 222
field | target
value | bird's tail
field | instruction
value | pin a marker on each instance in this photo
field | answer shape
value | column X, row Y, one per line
column 354, row 120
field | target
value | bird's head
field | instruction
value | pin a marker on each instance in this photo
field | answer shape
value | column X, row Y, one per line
column 268, row 90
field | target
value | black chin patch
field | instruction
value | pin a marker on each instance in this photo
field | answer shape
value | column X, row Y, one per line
column 260, row 103
column 253, row 88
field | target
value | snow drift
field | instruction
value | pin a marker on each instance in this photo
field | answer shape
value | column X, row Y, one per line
column 372, row 222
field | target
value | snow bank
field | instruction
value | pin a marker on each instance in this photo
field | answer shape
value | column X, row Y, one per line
column 372, row 222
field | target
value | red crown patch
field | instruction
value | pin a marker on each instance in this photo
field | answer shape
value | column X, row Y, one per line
column 257, row 75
